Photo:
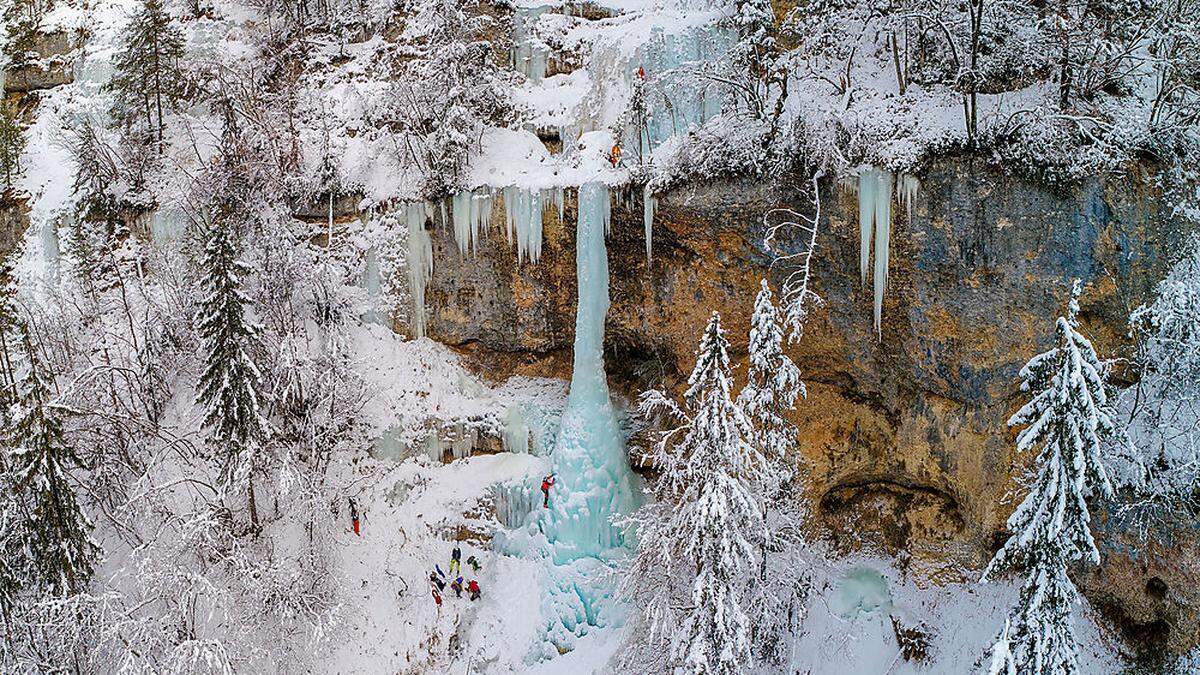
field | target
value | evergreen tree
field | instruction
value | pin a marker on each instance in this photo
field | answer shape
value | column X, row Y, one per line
column 148, row 78
column 772, row 386
column 1067, row 418
column 58, row 544
column 229, row 388
column 706, row 518
column 10, row 330
column 12, row 142
column 1166, row 401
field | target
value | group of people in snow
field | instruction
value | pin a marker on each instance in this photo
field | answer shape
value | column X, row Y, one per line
column 437, row 578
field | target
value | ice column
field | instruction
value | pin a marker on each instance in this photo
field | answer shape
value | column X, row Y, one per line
column 420, row 262
column 593, row 476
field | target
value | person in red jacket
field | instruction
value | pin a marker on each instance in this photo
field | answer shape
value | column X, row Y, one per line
column 547, row 483
column 354, row 516
column 473, row 589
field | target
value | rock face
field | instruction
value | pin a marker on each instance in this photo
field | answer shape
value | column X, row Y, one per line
column 903, row 431
column 46, row 65
column 14, row 218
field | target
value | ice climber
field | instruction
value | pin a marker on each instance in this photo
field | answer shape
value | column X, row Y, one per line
column 354, row 516
column 456, row 586
column 456, row 560
column 473, row 563
column 436, row 582
column 547, row 483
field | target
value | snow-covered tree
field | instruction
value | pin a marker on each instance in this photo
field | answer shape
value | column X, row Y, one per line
column 772, row 387
column 1067, row 420
column 12, row 142
column 148, row 78
column 700, row 535
column 1164, row 406
column 229, row 387
column 61, row 553
column 447, row 91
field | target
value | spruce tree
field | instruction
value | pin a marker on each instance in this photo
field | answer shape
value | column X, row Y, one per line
column 148, row 78
column 772, row 387
column 709, row 524
column 229, row 388
column 1066, row 420
column 12, row 142
column 58, row 544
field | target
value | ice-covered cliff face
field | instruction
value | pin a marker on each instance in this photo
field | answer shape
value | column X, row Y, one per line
column 904, row 428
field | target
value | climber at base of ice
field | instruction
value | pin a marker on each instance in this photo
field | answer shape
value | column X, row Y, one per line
column 354, row 516
column 615, row 156
column 456, row 586
column 435, row 582
column 473, row 589
column 547, row 483
column 456, row 560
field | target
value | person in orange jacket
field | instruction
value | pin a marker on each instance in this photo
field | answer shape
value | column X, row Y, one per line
column 547, row 483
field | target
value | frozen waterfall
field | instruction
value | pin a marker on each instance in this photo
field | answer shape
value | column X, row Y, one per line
column 593, row 475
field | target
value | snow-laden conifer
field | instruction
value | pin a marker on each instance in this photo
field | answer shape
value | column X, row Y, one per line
column 1166, row 402
column 772, row 387
column 1066, row 420
column 148, row 79
column 696, row 544
column 58, row 545
column 230, row 384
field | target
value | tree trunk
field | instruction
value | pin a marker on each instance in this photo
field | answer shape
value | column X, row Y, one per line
column 253, row 504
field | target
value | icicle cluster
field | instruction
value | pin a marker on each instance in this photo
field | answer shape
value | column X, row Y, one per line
column 514, row 502
column 472, row 211
column 875, row 191
column 420, row 261
column 515, row 434
column 528, row 55
column 523, row 211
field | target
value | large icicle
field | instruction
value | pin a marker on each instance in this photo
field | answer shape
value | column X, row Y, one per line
column 866, row 219
column 907, row 186
column 420, row 262
column 649, row 203
column 883, row 235
column 875, row 191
